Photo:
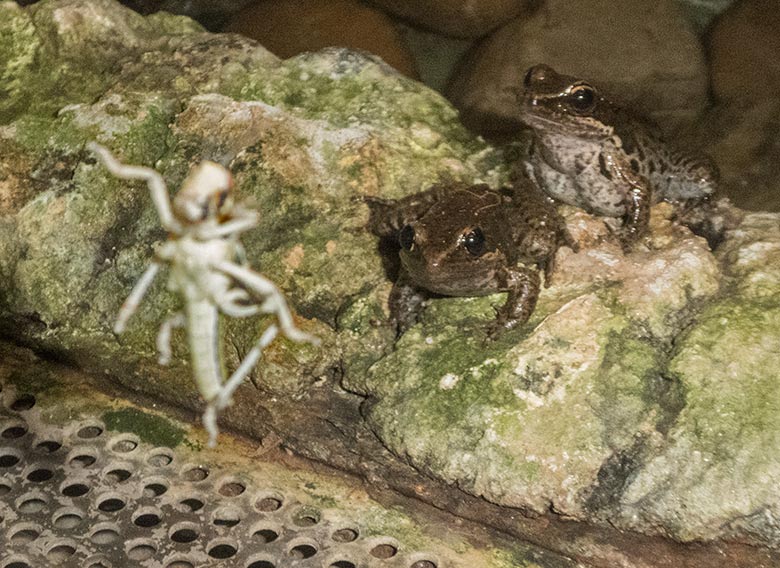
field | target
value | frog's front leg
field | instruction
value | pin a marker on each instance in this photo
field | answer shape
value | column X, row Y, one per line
column 638, row 199
column 523, row 284
column 406, row 303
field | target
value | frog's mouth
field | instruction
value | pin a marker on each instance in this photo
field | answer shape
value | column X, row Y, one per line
column 542, row 118
column 456, row 279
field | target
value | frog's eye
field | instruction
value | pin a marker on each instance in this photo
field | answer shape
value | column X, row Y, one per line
column 406, row 237
column 474, row 241
column 582, row 98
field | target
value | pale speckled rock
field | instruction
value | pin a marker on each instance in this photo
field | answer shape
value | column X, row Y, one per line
column 723, row 439
column 588, row 410
column 643, row 53
column 536, row 419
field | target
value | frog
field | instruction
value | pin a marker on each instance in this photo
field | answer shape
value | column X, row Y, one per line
column 591, row 152
column 460, row 239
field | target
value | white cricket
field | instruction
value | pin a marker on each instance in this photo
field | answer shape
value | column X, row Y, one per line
column 203, row 227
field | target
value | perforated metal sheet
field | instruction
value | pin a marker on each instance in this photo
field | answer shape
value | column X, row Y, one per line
column 79, row 495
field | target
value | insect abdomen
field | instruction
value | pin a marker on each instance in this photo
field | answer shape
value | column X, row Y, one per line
column 202, row 334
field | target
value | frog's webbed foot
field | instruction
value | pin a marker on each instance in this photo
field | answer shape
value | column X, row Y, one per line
column 523, row 284
column 406, row 303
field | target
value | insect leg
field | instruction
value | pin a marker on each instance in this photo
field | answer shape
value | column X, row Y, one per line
column 164, row 336
column 153, row 179
column 246, row 366
column 229, row 305
column 225, row 394
column 130, row 305
column 228, row 228
column 274, row 303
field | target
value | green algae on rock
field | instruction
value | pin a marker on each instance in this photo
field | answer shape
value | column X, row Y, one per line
column 588, row 410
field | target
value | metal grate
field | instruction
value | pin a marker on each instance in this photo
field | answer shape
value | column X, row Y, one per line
column 78, row 495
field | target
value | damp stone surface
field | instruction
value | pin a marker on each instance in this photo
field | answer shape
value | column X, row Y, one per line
column 639, row 401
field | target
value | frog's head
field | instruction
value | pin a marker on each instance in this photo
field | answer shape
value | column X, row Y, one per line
column 456, row 247
column 561, row 104
column 205, row 194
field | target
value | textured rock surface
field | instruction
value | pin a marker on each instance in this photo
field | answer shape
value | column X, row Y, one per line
column 290, row 27
column 594, row 410
column 744, row 52
column 703, row 12
column 643, row 52
column 457, row 18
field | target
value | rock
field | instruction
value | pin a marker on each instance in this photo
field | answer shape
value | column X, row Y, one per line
column 457, row 18
column 718, row 445
column 586, row 413
column 290, row 27
column 743, row 140
column 435, row 56
column 644, row 54
column 744, row 51
column 703, row 12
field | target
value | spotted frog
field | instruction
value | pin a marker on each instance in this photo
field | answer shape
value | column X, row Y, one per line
column 589, row 152
column 469, row 240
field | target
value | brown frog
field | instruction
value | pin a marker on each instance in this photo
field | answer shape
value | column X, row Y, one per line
column 469, row 240
column 591, row 153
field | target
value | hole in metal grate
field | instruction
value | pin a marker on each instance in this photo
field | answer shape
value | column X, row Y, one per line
column 48, row 446
column 17, row 562
column 124, row 444
column 111, row 503
column 306, row 517
column 222, row 549
column 105, row 533
column 345, row 535
column 89, row 432
column 24, row 533
column 14, row 430
column 260, row 563
column 140, row 550
column 195, row 473
column 191, row 504
column 180, row 562
column 184, row 532
column 384, row 550
column 67, row 518
column 23, row 402
column 72, row 488
column 269, row 503
column 160, row 457
column 147, row 517
column 83, row 457
column 302, row 549
column 9, row 457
